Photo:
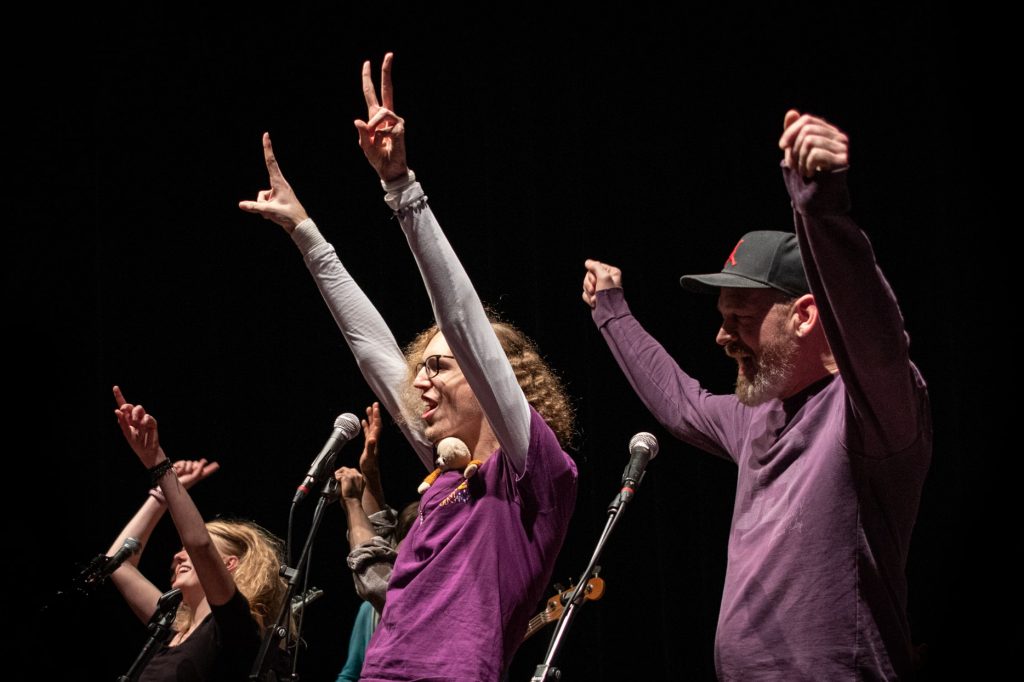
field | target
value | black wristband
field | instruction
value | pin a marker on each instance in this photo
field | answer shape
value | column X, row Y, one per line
column 157, row 472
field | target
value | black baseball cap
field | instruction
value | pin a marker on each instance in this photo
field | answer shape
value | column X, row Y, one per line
column 763, row 259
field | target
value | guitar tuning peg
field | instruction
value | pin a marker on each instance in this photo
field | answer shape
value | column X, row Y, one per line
column 597, row 571
column 559, row 587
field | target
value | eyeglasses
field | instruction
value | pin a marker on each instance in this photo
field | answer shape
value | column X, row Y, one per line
column 432, row 365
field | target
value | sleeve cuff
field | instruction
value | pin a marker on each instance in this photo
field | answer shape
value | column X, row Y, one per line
column 376, row 549
column 384, row 522
column 611, row 303
column 821, row 195
column 402, row 192
column 306, row 236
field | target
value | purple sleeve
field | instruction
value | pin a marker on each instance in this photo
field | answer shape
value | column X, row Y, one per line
column 859, row 313
column 677, row 401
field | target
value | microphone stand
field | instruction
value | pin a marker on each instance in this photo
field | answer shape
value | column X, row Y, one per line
column 159, row 632
column 273, row 635
column 546, row 670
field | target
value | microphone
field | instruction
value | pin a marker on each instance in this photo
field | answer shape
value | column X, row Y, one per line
column 643, row 447
column 346, row 426
column 168, row 602
column 102, row 566
column 130, row 546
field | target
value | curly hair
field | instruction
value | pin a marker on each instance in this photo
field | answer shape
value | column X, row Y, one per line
column 541, row 386
column 260, row 556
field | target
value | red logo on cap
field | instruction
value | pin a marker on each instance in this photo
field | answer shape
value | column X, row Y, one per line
column 732, row 256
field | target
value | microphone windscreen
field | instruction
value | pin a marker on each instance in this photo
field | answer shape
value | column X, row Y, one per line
column 348, row 423
column 646, row 441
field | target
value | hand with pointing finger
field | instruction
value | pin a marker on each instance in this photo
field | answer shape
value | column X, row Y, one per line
column 279, row 203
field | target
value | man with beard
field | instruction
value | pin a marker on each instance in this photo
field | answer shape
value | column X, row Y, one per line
column 829, row 426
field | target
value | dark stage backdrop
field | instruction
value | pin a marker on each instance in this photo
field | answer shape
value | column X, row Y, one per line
column 543, row 137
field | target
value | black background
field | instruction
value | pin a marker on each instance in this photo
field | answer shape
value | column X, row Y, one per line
column 543, row 136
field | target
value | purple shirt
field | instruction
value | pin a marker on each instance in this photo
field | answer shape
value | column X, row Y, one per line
column 473, row 569
column 474, row 566
column 829, row 480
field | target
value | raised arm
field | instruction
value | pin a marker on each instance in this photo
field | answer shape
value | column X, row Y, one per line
column 377, row 354
column 140, row 430
column 457, row 309
column 371, row 556
column 860, row 315
column 675, row 399
column 137, row 590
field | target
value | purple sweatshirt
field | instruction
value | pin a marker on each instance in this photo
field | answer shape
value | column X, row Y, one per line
column 829, row 479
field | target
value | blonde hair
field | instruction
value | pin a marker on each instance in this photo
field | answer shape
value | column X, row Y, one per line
column 257, row 576
column 541, row 386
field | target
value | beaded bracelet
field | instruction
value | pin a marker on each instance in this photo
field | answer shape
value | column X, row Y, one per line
column 157, row 472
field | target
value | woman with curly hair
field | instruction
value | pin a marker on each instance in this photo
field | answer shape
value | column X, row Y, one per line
column 496, row 507
column 227, row 570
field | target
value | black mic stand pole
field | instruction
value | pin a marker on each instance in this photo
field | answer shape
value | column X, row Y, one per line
column 273, row 635
column 546, row 670
column 159, row 632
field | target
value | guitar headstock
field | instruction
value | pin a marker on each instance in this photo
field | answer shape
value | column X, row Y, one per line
column 594, row 589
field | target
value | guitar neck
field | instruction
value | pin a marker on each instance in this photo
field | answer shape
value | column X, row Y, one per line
column 546, row 616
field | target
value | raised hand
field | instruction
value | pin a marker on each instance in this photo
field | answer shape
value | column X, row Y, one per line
column 382, row 134
column 139, row 429
column 599, row 276
column 371, row 436
column 813, row 145
column 189, row 472
column 279, row 203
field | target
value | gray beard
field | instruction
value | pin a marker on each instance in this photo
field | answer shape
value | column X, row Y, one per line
column 773, row 373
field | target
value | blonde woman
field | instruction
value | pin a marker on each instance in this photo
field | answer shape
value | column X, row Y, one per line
column 227, row 571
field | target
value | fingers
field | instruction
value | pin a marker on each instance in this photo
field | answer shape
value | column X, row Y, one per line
column 818, row 148
column 138, row 415
column 258, row 206
column 122, row 421
column 364, row 134
column 346, row 472
column 386, row 91
column 791, row 127
column 351, row 482
column 605, row 276
column 385, row 122
column 789, row 119
column 118, row 396
column 791, row 116
column 273, row 169
column 599, row 277
column 812, row 144
column 369, row 94
column 589, row 289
